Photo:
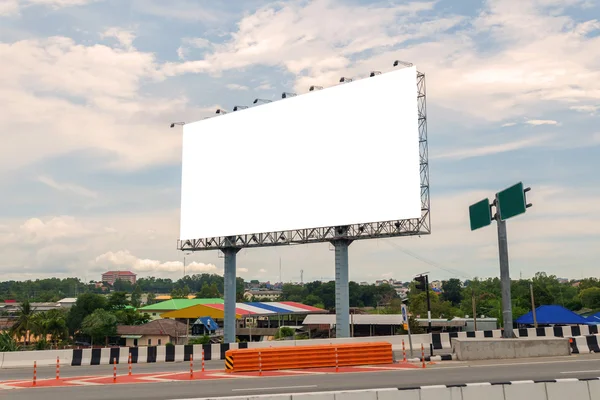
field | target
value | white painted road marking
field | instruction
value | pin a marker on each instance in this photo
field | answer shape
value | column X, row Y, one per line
column 581, row 372
column 274, row 388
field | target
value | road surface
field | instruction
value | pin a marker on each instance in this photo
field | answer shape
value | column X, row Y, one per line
column 582, row 366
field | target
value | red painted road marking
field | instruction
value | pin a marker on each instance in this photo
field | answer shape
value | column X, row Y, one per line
column 185, row 376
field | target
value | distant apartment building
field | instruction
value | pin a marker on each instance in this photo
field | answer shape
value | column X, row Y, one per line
column 111, row 277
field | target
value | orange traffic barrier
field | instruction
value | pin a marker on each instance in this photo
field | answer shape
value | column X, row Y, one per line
column 298, row 357
column 34, row 372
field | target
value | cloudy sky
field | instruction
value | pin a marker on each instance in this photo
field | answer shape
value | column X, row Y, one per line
column 90, row 171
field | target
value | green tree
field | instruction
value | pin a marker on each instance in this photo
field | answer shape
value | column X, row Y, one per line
column 129, row 316
column 117, row 301
column 208, row 292
column 591, row 297
column 8, row 342
column 452, row 291
column 85, row 305
column 25, row 323
column 136, row 296
column 99, row 325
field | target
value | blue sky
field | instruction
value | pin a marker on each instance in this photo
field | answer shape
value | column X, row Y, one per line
column 91, row 172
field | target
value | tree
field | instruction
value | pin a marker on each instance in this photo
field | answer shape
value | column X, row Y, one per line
column 208, row 292
column 136, row 296
column 590, row 297
column 452, row 291
column 117, row 301
column 129, row 316
column 85, row 305
column 8, row 342
column 25, row 323
column 99, row 325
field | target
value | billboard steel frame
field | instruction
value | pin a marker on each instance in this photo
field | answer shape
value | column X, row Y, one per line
column 340, row 236
column 373, row 230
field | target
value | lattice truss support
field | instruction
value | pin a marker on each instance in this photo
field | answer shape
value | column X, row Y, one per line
column 373, row 230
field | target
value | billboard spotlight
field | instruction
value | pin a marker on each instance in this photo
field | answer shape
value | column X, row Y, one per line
column 398, row 62
column 344, row 79
column 176, row 123
column 239, row 108
column 256, row 101
column 375, row 73
column 315, row 88
column 221, row 111
column 285, row 95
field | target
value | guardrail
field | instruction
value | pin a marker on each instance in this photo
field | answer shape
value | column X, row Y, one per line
column 299, row 357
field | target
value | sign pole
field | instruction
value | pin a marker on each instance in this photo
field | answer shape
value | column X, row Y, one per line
column 405, row 321
column 504, row 275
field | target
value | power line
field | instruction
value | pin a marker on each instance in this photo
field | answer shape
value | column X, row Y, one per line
column 429, row 262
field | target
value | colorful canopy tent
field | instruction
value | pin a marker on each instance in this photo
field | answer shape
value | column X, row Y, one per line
column 216, row 311
column 554, row 315
column 178, row 304
column 595, row 318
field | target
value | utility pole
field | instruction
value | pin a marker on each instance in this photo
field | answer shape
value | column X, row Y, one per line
column 533, row 306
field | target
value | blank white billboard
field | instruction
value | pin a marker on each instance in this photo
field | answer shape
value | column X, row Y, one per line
column 344, row 155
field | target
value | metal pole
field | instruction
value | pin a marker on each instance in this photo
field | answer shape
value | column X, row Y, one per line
column 504, row 275
column 474, row 309
column 533, row 306
column 342, row 294
column 229, row 276
column 409, row 337
column 428, row 314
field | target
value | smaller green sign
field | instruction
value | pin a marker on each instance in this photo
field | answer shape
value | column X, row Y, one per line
column 480, row 214
column 511, row 201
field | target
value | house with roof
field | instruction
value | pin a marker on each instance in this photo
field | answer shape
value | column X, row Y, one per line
column 158, row 309
column 154, row 333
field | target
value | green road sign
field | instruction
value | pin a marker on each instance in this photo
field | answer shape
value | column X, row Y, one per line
column 511, row 201
column 480, row 214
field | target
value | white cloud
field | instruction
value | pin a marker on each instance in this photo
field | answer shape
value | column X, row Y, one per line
column 508, row 124
column 69, row 187
column 235, row 86
column 537, row 54
column 262, row 270
column 537, row 122
column 492, row 149
column 13, row 7
column 42, row 230
column 125, row 259
column 590, row 109
column 125, row 37
column 9, row 7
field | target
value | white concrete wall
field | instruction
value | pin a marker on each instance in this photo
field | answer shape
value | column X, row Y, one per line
column 563, row 389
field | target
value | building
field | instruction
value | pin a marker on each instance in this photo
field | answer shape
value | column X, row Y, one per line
column 154, row 333
column 67, row 302
column 111, row 277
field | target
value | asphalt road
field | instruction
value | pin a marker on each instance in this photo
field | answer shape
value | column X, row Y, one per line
column 68, row 371
column 583, row 366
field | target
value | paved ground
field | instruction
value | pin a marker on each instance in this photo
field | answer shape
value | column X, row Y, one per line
column 67, row 370
column 583, row 366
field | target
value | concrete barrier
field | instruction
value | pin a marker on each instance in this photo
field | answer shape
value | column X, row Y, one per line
column 559, row 389
column 488, row 349
column 43, row 358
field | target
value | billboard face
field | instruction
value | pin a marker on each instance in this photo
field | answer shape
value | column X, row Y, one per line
column 344, row 155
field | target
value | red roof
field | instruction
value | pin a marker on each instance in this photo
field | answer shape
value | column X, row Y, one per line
column 118, row 273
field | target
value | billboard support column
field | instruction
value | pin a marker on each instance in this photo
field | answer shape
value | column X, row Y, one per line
column 229, row 286
column 342, row 293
